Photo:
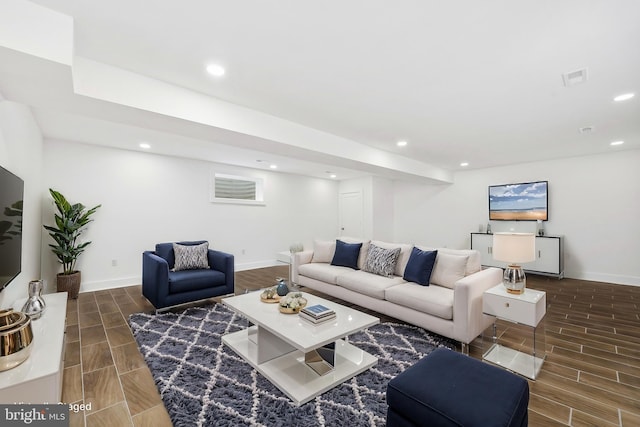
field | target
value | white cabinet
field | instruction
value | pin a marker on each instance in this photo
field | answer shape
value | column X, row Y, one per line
column 39, row 378
column 549, row 254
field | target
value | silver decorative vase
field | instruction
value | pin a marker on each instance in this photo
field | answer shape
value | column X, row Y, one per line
column 35, row 305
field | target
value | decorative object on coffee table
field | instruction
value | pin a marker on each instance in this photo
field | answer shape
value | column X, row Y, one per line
column 514, row 248
column 35, row 305
column 270, row 296
column 292, row 303
column 70, row 222
column 281, row 287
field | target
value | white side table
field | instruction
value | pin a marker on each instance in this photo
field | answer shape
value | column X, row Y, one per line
column 526, row 309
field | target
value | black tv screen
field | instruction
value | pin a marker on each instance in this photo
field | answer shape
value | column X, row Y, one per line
column 527, row 201
column 11, row 197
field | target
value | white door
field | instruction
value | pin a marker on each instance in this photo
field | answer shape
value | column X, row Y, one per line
column 351, row 214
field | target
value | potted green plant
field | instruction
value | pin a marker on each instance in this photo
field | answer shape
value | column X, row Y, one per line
column 70, row 222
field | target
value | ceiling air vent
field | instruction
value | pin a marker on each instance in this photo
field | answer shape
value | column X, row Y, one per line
column 587, row 129
column 576, row 77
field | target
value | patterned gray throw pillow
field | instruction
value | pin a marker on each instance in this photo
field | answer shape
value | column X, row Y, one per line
column 381, row 261
column 191, row 257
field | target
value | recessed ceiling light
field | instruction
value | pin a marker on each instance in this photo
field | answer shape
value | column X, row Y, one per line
column 145, row 145
column 215, row 70
column 463, row 164
column 617, row 143
column 273, row 166
column 624, row 97
column 402, row 143
column 333, row 175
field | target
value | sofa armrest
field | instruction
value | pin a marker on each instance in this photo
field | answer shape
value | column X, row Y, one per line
column 298, row 259
column 225, row 263
column 468, row 320
column 155, row 278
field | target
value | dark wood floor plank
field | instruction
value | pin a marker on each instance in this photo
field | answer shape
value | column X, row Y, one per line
column 547, row 410
column 574, row 399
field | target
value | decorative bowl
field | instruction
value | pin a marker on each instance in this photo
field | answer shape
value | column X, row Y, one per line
column 292, row 303
column 16, row 337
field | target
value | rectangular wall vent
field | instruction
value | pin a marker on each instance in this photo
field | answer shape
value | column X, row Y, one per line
column 573, row 78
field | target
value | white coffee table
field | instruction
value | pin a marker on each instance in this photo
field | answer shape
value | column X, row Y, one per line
column 301, row 359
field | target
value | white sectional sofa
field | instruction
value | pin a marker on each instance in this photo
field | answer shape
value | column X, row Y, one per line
column 450, row 306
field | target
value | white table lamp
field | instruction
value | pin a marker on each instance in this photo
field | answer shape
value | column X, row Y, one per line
column 514, row 249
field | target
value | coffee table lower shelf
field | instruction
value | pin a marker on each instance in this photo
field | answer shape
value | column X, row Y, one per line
column 293, row 376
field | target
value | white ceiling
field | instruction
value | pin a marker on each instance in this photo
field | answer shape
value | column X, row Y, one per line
column 470, row 81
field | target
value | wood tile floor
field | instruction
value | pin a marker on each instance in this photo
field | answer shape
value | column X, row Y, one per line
column 591, row 376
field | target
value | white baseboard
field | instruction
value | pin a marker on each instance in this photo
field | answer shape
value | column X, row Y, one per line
column 604, row 277
column 137, row 280
column 259, row 264
column 110, row 284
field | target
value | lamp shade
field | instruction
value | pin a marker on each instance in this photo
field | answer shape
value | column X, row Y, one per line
column 514, row 247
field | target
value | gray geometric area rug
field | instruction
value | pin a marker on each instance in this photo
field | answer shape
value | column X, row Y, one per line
column 204, row 383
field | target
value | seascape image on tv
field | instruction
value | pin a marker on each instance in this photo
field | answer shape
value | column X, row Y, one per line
column 518, row 202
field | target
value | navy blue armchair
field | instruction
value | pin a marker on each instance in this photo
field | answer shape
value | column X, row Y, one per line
column 164, row 287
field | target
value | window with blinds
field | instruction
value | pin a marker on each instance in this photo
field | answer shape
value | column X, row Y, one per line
column 228, row 188
column 237, row 189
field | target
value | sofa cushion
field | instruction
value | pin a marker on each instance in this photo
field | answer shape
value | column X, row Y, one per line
column 363, row 250
column 192, row 280
column 474, row 264
column 324, row 272
column 367, row 283
column 448, row 269
column 323, row 251
column 420, row 266
column 381, row 261
column 191, row 257
column 403, row 258
column 434, row 300
column 346, row 254
column 165, row 250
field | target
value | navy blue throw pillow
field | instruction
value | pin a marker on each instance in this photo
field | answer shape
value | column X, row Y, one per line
column 419, row 266
column 346, row 254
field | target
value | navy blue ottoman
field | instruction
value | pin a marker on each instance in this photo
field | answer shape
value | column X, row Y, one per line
column 447, row 389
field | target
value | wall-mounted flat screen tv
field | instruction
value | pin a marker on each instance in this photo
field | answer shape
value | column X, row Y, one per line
column 528, row 201
column 11, row 196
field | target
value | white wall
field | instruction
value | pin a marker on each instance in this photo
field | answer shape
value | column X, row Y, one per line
column 21, row 154
column 148, row 198
column 382, row 202
column 593, row 201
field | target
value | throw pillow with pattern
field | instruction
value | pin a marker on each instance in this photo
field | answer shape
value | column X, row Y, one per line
column 381, row 261
column 191, row 257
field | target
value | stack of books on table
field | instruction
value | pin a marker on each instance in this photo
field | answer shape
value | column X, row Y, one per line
column 317, row 314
